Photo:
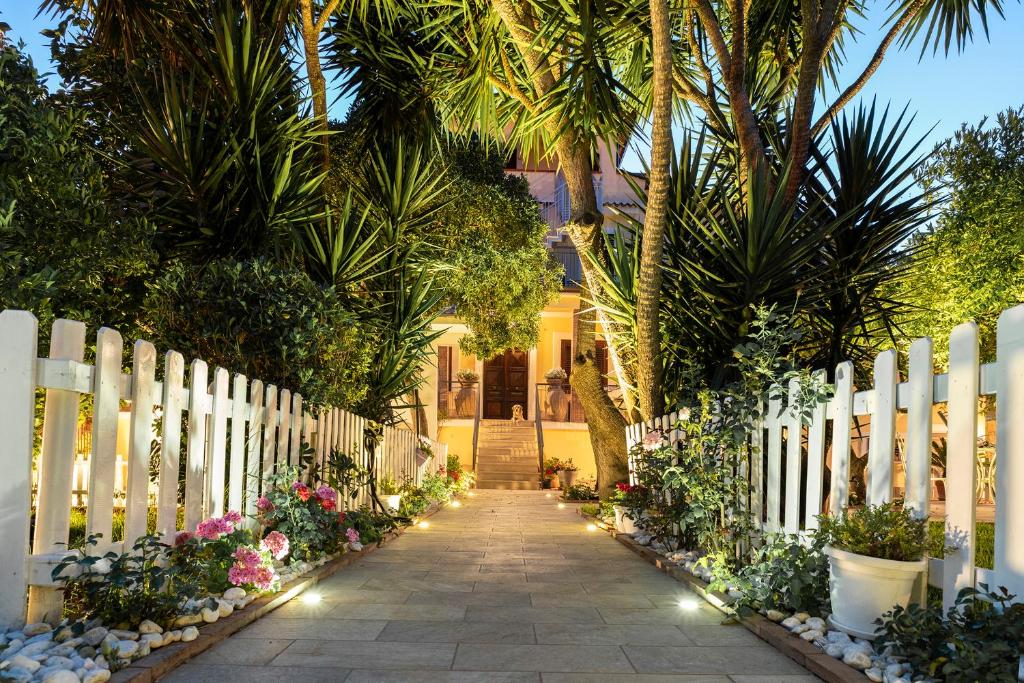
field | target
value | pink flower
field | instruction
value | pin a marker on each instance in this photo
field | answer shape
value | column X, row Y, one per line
column 325, row 492
column 352, row 535
column 213, row 528
column 653, row 440
column 250, row 569
column 276, row 544
column 264, row 504
column 233, row 516
column 182, row 537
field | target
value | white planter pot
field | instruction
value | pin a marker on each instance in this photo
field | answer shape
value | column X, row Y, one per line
column 623, row 524
column 567, row 478
column 393, row 502
column 864, row 588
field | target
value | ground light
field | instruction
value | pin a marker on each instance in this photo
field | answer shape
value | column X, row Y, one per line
column 456, row 504
column 547, row 495
column 591, row 527
column 561, row 506
column 689, row 604
column 311, row 598
column 470, row 494
column 424, row 524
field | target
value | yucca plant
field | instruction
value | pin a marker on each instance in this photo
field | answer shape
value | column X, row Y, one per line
column 224, row 155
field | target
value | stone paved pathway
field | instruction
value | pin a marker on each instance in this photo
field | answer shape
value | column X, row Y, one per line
column 507, row 587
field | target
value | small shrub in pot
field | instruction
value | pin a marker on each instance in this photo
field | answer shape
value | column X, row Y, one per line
column 875, row 555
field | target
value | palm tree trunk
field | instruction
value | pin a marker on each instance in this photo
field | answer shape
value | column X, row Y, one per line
column 648, row 328
column 310, row 29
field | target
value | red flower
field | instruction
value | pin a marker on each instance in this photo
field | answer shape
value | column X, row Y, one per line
column 303, row 492
column 327, row 504
column 341, row 517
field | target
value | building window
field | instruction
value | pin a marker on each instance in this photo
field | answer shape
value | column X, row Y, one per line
column 565, row 356
column 444, row 374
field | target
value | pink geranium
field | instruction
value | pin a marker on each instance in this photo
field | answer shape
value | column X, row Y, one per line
column 352, row 535
column 182, row 537
column 233, row 516
column 264, row 504
column 276, row 544
column 213, row 528
column 250, row 569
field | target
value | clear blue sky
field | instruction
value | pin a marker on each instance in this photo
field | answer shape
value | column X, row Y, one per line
column 944, row 91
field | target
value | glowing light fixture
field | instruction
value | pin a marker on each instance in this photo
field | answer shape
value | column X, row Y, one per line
column 470, row 494
column 561, row 506
column 424, row 524
column 591, row 527
column 689, row 604
column 311, row 598
column 456, row 504
column 547, row 495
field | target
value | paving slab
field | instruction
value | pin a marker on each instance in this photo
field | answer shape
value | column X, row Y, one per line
column 506, row 588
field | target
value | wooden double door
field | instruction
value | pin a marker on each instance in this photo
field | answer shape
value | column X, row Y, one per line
column 506, row 383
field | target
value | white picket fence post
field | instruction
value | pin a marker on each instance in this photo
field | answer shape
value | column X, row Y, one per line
column 779, row 503
column 237, row 432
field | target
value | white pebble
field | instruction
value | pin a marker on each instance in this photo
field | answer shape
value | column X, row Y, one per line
column 126, row 649
column 790, row 622
column 224, row 608
column 36, row 629
column 154, row 640
column 148, row 626
column 234, row 593
column 834, row 650
column 817, row 623
column 857, row 659
column 874, row 674
column 775, row 615
column 29, row 665
column 210, row 615
column 60, row 676
column 811, row 634
column 189, row 634
column 802, row 616
column 97, row 676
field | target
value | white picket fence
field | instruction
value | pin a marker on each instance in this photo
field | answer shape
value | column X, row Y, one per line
column 238, row 430
column 787, row 443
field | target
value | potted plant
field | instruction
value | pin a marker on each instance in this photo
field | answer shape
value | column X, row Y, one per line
column 875, row 555
column 556, row 401
column 424, row 452
column 550, row 474
column 629, row 502
column 567, row 473
column 391, row 492
column 465, row 400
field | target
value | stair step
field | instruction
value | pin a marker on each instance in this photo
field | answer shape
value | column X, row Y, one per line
column 508, row 485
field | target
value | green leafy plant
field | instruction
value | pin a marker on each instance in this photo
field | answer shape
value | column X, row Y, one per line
column 308, row 517
column 371, row 525
column 467, row 375
column 388, row 486
column 567, row 466
column 980, row 638
column 782, row 574
column 122, row 589
column 883, row 531
column 580, row 491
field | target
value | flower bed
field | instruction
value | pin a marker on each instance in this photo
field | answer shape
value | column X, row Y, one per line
column 120, row 607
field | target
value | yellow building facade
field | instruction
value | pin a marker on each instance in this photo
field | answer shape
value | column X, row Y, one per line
column 452, row 408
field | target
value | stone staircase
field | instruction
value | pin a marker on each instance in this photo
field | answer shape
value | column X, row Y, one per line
column 506, row 456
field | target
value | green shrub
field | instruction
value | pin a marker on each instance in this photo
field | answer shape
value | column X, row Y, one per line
column 883, row 531
column 785, row 575
column 979, row 639
column 264, row 320
column 371, row 525
column 581, row 491
column 308, row 518
column 123, row 589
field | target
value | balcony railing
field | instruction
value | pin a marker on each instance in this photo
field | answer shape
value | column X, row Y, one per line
column 457, row 400
column 556, row 402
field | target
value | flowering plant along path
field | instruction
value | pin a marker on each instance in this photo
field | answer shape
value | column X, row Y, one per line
column 506, row 587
